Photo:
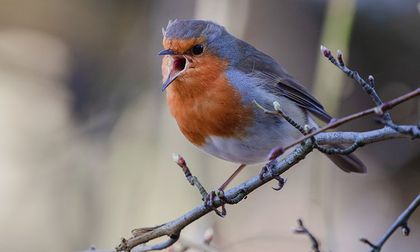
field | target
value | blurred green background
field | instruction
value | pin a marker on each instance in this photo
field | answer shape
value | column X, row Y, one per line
column 86, row 138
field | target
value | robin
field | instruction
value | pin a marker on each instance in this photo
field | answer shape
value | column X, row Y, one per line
column 212, row 79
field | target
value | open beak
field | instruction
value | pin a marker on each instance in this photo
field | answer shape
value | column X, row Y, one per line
column 177, row 64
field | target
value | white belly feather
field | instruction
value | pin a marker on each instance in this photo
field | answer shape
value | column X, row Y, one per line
column 255, row 148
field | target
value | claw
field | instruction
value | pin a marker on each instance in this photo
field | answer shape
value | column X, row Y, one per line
column 281, row 181
column 209, row 202
column 263, row 172
column 267, row 169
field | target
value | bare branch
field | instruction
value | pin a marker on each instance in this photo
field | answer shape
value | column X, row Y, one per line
column 238, row 193
column 375, row 110
column 278, row 166
column 367, row 87
column 180, row 161
column 362, row 138
column 233, row 196
column 301, row 229
column 400, row 222
column 413, row 131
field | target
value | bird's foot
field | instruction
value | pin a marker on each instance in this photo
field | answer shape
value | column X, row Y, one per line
column 209, row 201
column 267, row 171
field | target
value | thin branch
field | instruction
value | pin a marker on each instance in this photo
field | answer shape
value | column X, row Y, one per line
column 375, row 110
column 366, row 137
column 400, row 222
column 413, row 131
column 180, row 161
column 369, row 88
column 336, row 150
column 301, row 229
column 159, row 246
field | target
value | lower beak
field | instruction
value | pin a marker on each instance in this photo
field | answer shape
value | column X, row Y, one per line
column 176, row 66
column 172, row 75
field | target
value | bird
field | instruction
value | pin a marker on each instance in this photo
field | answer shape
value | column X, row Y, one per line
column 213, row 81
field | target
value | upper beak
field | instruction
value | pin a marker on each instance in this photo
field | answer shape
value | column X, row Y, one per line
column 166, row 52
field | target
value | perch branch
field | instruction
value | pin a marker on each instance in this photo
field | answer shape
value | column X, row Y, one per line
column 278, row 166
column 237, row 193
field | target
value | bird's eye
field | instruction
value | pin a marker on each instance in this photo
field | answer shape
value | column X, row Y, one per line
column 197, row 49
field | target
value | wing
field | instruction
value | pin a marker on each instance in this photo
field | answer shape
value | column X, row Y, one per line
column 278, row 81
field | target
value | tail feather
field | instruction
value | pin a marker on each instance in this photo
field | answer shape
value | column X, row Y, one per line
column 348, row 163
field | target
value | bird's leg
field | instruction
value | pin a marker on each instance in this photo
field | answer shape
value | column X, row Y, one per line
column 209, row 200
column 234, row 174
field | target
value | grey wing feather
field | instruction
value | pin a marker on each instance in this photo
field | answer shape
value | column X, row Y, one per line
column 280, row 82
column 276, row 80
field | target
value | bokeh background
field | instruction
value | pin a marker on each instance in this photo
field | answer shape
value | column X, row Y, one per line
column 86, row 138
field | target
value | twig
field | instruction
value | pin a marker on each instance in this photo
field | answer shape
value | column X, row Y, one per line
column 400, row 222
column 336, row 150
column 159, row 246
column 301, row 128
column 375, row 110
column 413, row 131
column 369, row 88
column 301, row 229
column 279, row 151
column 180, row 161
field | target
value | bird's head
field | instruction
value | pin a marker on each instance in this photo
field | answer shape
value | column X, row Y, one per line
column 189, row 47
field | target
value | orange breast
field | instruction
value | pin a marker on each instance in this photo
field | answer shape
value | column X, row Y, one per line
column 205, row 104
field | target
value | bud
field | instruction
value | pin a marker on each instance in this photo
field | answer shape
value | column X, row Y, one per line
column 175, row 157
column 378, row 111
column 178, row 159
column 325, row 51
column 405, row 230
column 340, row 57
column 208, row 236
column 307, row 129
column 371, row 80
column 277, row 106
